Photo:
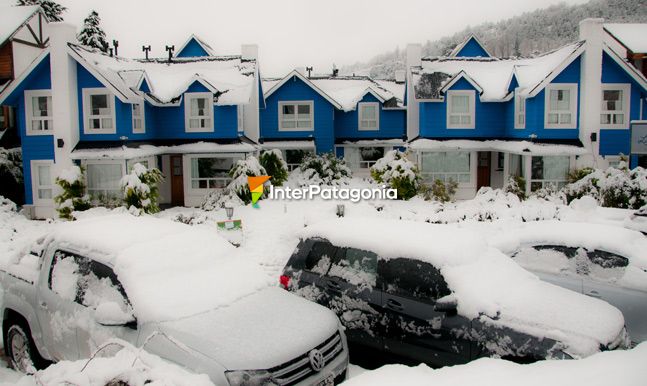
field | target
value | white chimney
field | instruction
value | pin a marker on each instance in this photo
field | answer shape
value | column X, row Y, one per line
column 250, row 112
column 591, row 32
column 249, row 51
column 399, row 76
column 65, row 108
column 413, row 59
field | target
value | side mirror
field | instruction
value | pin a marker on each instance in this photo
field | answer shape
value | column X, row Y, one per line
column 110, row 314
column 447, row 304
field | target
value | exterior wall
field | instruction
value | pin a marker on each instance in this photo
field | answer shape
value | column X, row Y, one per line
column 392, row 123
column 324, row 112
column 472, row 49
column 192, row 49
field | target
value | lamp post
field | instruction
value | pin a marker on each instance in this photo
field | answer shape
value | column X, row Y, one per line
column 229, row 209
column 341, row 208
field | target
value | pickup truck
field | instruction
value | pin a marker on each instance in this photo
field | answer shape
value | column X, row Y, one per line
column 179, row 292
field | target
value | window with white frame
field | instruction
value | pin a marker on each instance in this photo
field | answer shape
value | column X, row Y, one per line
column 210, row 172
column 446, row 166
column 519, row 110
column 139, row 125
column 98, row 111
column 103, row 179
column 369, row 116
column 38, row 108
column 614, row 112
column 198, row 112
column 460, row 109
column 363, row 158
column 296, row 116
column 561, row 106
column 42, row 182
column 549, row 171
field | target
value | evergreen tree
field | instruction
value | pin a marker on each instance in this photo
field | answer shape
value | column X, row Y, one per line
column 53, row 11
column 92, row 35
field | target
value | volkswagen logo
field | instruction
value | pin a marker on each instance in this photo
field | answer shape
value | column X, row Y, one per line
column 316, row 360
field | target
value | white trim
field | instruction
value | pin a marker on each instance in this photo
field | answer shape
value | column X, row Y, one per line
column 631, row 70
column 372, row 91
column 29, row 113
column 471, row 105
column 296, row 104
column 556, row 71
column 295, row 73
column 573, row 90
column 462, row 75
column 187, row 112
column 142, row 118
column 459, row 47
column 202, row 44
column 87, row 93
column 359, row 116
column 626, row 104
column 35, row 185
column 519, row 100
column 11, row 87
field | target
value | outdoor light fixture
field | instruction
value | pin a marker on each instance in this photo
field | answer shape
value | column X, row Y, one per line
column 230, row 211
column 340, row 210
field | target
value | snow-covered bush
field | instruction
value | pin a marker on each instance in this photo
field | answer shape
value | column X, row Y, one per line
column 440, row 190
column 397, row 172
column 216, row 199
column 242, row 169
column 140, row 189
column 92, row 34
column 52, row 10
column 73, row 197
column 6, row 205
column 614, row 187
column 578, row 174
column 324, row 169
column 11, row 178
column 515, row 185
column 275, row 166
column 549, row 193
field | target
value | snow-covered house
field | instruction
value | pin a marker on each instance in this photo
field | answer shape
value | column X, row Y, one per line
column 476, row 119
column 355, row 117
column 192, row 117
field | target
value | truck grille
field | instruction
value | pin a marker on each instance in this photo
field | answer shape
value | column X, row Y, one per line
column 299, row 368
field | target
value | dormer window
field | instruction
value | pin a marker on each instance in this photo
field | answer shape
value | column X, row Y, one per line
column 138, row 118
column 98, row 111
column 519, row 111
column 38, row 109
column 369, row 117
column 198, row 111
column 561, row 106
column 460, row 109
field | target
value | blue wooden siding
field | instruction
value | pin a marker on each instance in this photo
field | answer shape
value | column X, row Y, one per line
column 192, row 49
column 472, row 49
column 392, row 122
column 297, row 90
column 614, row 142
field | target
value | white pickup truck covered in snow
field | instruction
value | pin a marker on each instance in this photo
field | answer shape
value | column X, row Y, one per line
column 179, row 292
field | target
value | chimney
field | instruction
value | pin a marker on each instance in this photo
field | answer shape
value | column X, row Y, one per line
column 399, row 76
column 249, row 51
column 414, row 55
column 413, row 59
column 591, row 32
column 65, row 113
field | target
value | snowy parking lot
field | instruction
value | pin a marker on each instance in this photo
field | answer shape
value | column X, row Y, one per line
column 269, row 236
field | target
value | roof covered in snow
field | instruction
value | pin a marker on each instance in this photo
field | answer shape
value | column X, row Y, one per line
column 230, row 78
column 345, row 90
column 148, row 150
column 509, row 146
column 12, row 17
column 490, row 76
column 630, row 35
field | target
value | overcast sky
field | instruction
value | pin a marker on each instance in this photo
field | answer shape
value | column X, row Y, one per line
column 292, row 33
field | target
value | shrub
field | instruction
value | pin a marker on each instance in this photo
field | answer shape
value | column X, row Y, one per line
column 397, row 172
column 11, row 178
column 325, row 169
column 216, row 199
column 441, row 191
column 613, row 188
column 275, row 166
column 516, row 185
column 239, row 173
column 72, row 197
column 140, row 189
column 578, row 174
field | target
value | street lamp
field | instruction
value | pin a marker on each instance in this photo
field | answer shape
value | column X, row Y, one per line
column 341, row 208
column 229, row 209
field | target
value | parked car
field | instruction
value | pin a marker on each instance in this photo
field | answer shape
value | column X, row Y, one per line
column 440, row 295
column 179, row 292
column 602, row 261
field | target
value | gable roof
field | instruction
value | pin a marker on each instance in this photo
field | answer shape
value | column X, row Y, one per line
column 471, row 39
column 12, row 17
column 630, row 35
column 629, row 69
column 8, row 88
column 206, row 47
column 492, row 75
column 278, row 83
column 230, row 77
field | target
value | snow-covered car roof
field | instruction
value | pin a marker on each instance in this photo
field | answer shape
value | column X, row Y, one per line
column 230, row 78
column 169, row 270
column 487, row 284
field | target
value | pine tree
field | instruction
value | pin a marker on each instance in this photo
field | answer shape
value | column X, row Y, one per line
column 53, row 11
column 92, row 35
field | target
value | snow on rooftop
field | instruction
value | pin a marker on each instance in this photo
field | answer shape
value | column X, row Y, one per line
column 491, row 74
column 12, row 17
column 230, row 76
column 517, row 147
column 631, row 35
column 487, row 284
column 124, row 152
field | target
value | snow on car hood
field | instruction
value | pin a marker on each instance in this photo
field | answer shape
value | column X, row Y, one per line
column 487, row 284
column 260, row 331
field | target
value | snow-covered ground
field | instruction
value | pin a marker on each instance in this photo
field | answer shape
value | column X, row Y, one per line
column 270, row 234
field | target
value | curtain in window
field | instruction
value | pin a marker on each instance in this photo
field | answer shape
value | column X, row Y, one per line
column 460, row 104
column 560, row 99
column 104, row 177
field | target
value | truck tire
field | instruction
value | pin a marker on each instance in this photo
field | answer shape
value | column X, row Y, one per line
column 23, row 354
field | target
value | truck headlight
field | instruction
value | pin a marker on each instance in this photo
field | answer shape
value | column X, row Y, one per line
column 250, row 378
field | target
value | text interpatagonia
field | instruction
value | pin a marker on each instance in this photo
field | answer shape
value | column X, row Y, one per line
column 332, row 193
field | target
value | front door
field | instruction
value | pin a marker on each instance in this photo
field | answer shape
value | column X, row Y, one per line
column 483, row 170
column 177, row 181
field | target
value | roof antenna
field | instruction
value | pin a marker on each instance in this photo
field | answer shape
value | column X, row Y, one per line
column 115, row 43
column 309, row 69
column 146, row 49
column 111, row 51
column 170, row 51
column 335, row 70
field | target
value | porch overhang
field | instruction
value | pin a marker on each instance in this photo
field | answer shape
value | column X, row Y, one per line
column 522, row 147
column 397, row 142
column 303, row 144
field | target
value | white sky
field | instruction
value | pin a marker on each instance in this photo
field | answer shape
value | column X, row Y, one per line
column 292, row 33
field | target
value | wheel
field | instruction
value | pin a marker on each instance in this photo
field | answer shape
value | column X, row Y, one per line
column 23, row 354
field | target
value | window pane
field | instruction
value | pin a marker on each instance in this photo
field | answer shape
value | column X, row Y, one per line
column 460, row 104
column 304, row 124
column 99, row 104
column 288, row 110
column 44, row 194
column 320, row 256
column 564, row 118
column 288, row 124
column 304, row 109
column 106, row 123
column 454, row 119
column 36, row 125
column 137, row 110
column 44, row 178
column 104, row 176
column 553, row 118
column 368, row 112
column 619, row 118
